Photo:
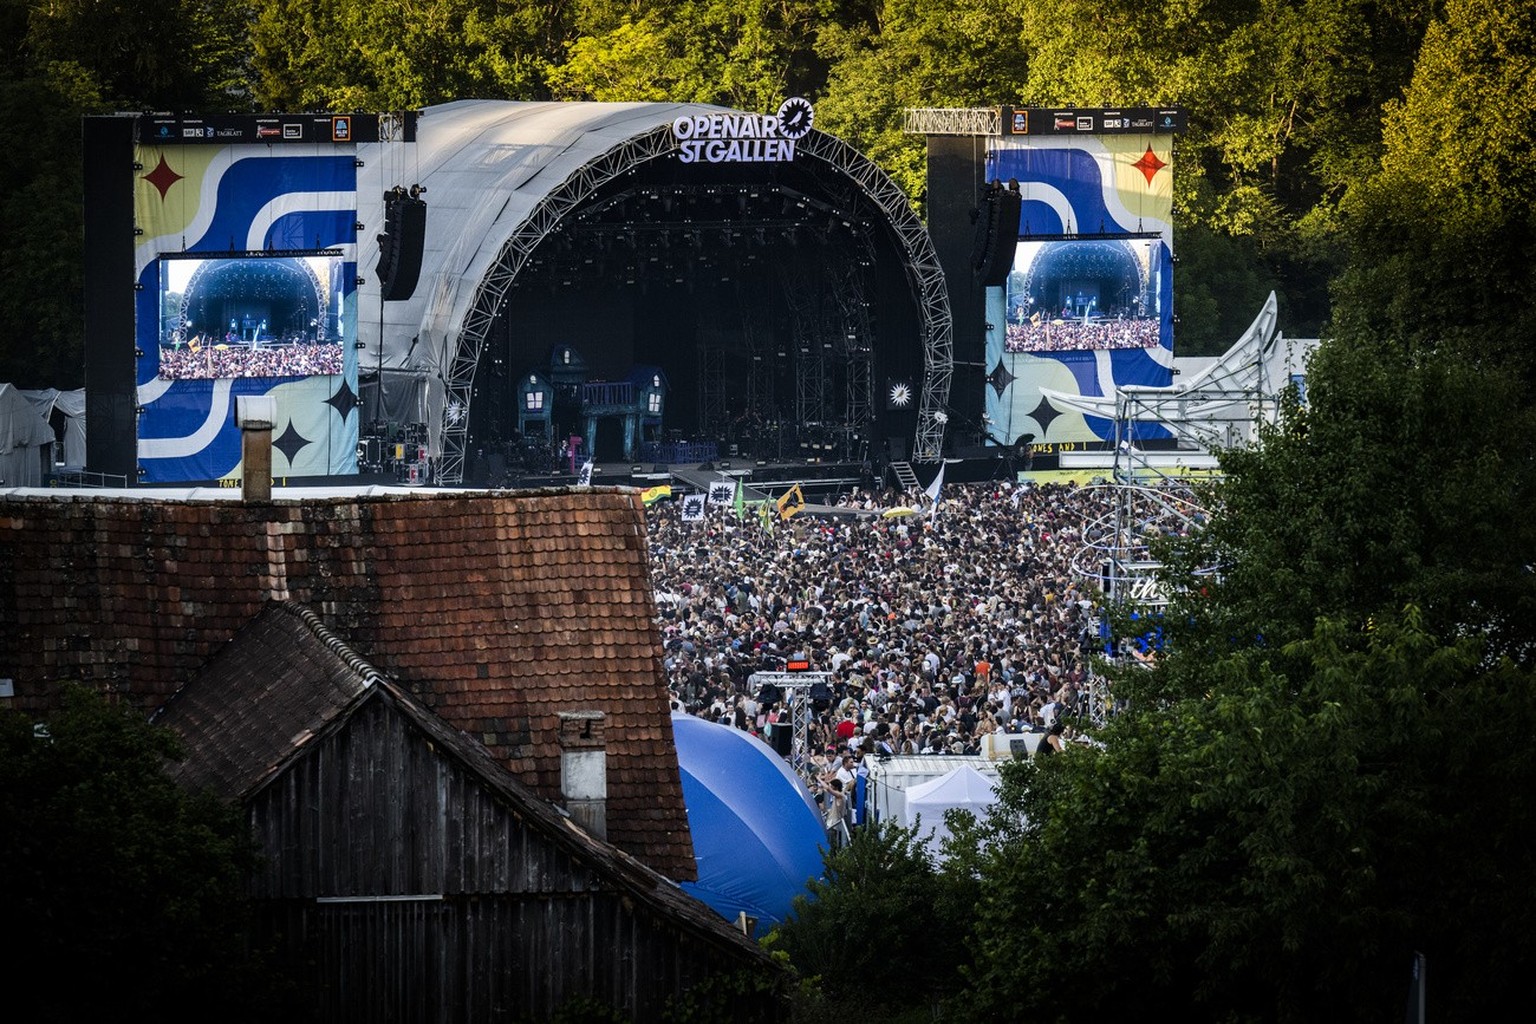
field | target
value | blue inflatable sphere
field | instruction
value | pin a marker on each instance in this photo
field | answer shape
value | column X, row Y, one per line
column 757, row 832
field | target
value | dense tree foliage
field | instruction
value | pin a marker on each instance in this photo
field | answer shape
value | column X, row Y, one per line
column 124, row 894
column 882, row 934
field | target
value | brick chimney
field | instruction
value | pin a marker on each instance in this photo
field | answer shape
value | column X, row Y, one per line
column 584, row 770
column 255, row 415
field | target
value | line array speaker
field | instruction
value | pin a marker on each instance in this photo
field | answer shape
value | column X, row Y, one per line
column 997, row 234
column 400, row 246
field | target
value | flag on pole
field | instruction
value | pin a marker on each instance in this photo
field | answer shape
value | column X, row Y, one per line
column 739, row 503
column 790, row 502
column 651, row 495
column 765, row 515
column 585, row 479
column 933, row 490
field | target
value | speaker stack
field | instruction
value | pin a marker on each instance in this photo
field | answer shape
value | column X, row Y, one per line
column 400, row 246
column 997, row 233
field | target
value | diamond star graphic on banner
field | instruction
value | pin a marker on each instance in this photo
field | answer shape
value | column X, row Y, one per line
column 1149, row 164
column 1043, row 414
column 162, row 177
column 291, row 443
column 1000, row 378
column 343, row 401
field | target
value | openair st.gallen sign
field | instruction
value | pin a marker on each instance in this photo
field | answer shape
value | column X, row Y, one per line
column 743, row 138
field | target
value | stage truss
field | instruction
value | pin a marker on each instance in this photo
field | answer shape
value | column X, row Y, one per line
column 920, row 260
column 796, row 687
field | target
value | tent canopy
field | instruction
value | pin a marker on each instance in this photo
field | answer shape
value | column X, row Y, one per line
column 25, row 437
column 757, row 833
column 964, row 788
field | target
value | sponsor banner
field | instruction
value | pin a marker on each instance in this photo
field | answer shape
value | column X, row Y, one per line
column 268, row 129
column 1096, row 121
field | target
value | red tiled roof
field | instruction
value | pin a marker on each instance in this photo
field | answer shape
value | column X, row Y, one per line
column 496, row 610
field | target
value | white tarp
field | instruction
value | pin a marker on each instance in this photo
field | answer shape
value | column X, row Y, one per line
column 26, row 440
column 72, row 405
column 963, row 788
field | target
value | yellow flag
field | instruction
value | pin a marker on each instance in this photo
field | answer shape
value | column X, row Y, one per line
column 652, row 495
column 790, row 502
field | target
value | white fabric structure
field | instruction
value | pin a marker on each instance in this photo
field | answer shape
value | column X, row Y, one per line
column 72, row 405
column 1216, row 407
column 964, row 788
column 26, row 440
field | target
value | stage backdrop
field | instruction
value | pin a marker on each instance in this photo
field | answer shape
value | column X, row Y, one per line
column 246, row 273
column 1088, row 303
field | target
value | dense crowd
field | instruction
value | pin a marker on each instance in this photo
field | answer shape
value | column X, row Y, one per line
column 1069, row 335
column 937, row 628
column 287, row 360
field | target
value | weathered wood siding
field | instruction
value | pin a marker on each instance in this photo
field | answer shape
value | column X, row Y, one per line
column 411, row 892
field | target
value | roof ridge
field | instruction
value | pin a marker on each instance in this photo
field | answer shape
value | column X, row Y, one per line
column 335, row 644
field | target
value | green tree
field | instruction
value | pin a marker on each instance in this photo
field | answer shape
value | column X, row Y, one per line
column 395, row 55
column 914, row 53
column 1443, row 233
column 1279, row 847
column 882, row 933
column 748, row 55
column 127, row 894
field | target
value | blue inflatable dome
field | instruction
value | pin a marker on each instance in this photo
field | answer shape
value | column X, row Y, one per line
column 757, row 832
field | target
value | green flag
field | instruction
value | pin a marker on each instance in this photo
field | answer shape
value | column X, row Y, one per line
column 739, row 503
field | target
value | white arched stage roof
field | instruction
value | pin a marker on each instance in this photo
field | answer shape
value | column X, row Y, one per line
column 498, row 177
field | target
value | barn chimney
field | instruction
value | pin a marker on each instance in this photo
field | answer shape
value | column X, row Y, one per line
column 255, row 415
column 584, row 770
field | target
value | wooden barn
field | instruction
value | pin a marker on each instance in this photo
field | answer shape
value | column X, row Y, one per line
column 416, row 697
column 408, row 876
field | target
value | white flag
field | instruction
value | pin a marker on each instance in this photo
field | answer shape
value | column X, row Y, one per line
column 585, row 480
column 934, row 489
column 693, row 508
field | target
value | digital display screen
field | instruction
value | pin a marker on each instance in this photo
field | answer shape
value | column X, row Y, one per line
column 251, row 316
column 1084, row 294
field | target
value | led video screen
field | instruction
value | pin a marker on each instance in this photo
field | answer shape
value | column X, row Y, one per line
column 251, row 316
column 1084, row 294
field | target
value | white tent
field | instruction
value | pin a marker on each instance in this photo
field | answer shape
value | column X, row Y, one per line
column 963, row 788
column 26, row 440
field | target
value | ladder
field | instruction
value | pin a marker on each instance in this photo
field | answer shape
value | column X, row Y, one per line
column 905, row 476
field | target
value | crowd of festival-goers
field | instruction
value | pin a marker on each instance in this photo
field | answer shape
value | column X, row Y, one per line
column 936, row 627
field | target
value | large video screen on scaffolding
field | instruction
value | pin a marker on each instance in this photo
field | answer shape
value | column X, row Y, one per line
column 1074, row 294
column 251, row 316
